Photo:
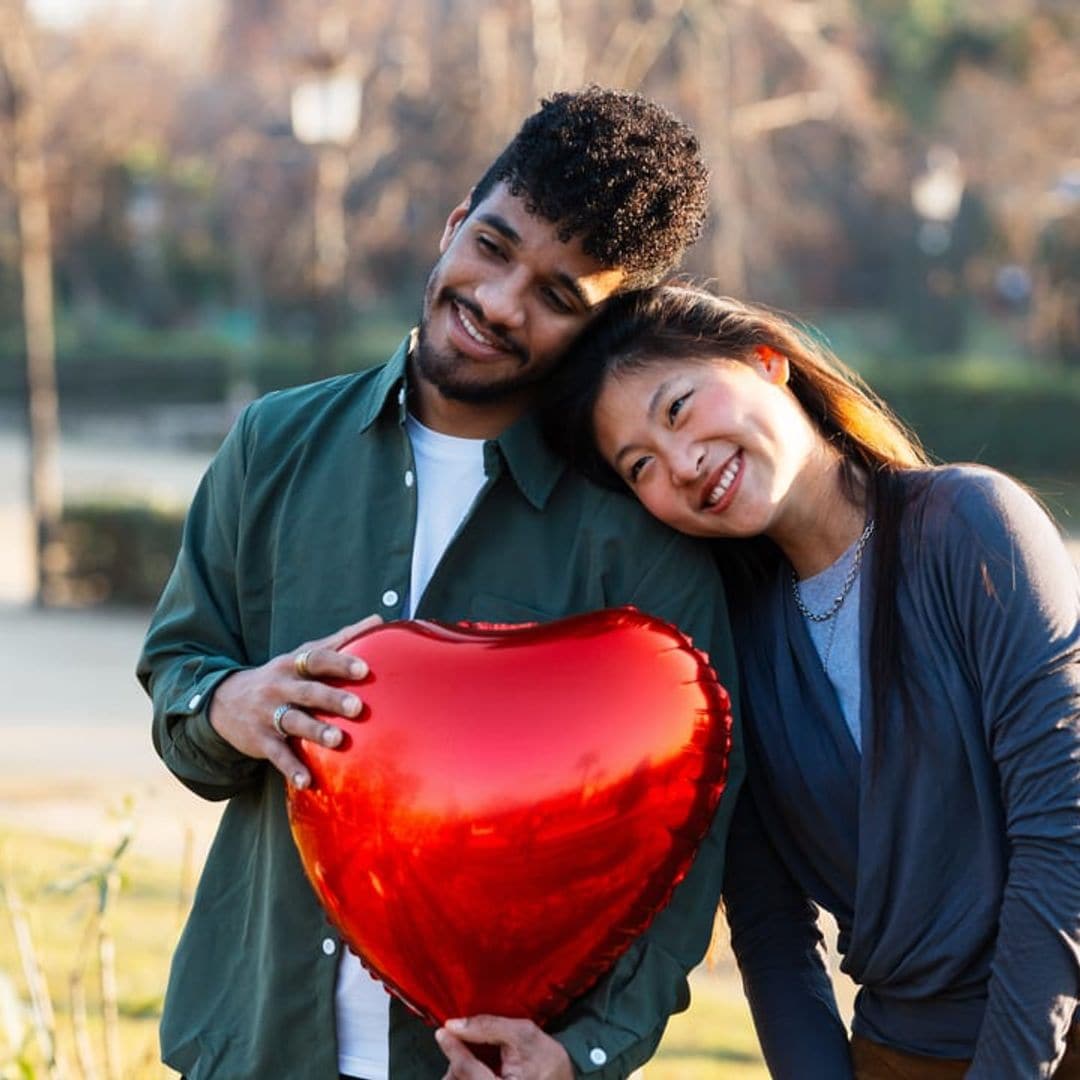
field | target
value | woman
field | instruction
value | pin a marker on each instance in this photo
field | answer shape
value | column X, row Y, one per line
column 910, row 655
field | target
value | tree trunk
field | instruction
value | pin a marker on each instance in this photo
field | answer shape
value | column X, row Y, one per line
column 35, row 255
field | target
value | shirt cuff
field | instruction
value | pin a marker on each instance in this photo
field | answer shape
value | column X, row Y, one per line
column 198, row 732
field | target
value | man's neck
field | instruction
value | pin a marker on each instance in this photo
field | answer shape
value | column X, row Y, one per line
column 465, row 419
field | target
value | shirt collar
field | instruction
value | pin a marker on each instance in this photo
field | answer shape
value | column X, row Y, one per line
column 534, row 467
column 531, row 463
column 389, row 386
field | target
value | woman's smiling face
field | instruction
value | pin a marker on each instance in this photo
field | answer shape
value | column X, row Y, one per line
column 710, row 447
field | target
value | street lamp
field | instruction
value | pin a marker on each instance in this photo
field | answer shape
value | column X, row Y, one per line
column 942, row 244
column 325, row 115
column 936, row 194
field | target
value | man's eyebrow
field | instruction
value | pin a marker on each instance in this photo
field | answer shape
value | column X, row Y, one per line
column 501, row 226
column 509, row 233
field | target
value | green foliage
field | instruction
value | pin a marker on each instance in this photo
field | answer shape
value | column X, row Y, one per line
column 113, row 553
column 1020, row 420
column 920, row 44
column 111, row 357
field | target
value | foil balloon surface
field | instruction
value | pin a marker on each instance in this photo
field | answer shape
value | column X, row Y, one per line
column 513, row 806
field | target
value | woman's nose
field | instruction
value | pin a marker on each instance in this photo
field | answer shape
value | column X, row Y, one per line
column 686, row 464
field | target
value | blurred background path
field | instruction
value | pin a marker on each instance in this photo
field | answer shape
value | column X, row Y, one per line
column 76, row 734
column 76, row 724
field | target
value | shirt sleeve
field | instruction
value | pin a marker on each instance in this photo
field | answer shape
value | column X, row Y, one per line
column 617, row 1026
column 195, row 640
column 1019, row 598
column 781, row 956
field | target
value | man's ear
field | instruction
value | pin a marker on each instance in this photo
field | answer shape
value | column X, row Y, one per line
column 771, row 365
column 457, row 216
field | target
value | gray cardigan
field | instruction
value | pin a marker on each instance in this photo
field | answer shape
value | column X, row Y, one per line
column 949, row 852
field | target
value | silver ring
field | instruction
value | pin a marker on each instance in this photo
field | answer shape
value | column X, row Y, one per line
column 279, row 715
column 300, row 662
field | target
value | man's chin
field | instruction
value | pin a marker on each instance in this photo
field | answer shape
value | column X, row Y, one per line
column 477, row 393
column 445, row 375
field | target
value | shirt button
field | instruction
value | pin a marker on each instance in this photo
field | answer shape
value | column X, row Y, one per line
column 598, row 1056
column 390, row 598
column 409, row 478
column 194, row 702
column 329, row 946
column 401, row 396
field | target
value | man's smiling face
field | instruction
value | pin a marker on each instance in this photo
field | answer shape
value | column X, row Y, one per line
column 504, row 301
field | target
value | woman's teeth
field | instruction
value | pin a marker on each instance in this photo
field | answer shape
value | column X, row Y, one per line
column 727, row 478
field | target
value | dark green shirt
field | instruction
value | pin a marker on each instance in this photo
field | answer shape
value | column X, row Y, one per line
column 304, row 523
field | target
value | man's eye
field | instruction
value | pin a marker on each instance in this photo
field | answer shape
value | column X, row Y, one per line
column 487, row 245
column 635, row 469
column 556, row 302
column 676, row 407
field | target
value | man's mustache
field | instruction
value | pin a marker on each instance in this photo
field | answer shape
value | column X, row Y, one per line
column 448, row 295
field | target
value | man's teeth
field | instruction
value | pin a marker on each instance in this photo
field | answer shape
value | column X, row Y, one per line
column 727, row 478
column 471, row 328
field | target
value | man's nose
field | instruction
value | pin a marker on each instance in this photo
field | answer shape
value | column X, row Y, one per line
column 502, row 300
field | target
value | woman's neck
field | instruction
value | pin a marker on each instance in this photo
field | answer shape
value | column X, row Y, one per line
column 823, row 518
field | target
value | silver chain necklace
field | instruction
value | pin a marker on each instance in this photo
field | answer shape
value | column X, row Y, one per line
column 852, row 574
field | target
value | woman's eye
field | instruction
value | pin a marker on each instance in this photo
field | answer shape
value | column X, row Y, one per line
column 676, row 407
column 635, row 469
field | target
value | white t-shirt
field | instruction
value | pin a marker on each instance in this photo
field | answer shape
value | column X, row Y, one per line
column 449, row 473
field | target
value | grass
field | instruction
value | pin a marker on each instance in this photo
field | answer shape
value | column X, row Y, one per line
column 713, row 1039
column 77, row 900
column 71, row 891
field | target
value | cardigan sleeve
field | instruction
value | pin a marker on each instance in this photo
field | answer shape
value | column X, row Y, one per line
column 781, row 956
column 195, row 639
column 1016, row 591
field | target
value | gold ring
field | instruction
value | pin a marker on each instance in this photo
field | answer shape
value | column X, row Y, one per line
column 300, row 663
column 279, row 715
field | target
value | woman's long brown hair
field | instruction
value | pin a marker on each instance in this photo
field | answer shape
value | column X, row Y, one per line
column 671, row 323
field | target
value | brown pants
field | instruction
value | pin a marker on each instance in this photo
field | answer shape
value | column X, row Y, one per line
column 873, row 1061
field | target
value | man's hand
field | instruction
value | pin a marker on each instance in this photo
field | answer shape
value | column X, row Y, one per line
column 527, row 1052
column 248, row 709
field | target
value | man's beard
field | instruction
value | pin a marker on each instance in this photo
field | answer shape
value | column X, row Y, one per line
column 448, row 371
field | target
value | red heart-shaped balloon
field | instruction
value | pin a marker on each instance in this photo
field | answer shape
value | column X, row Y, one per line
column 513, row 806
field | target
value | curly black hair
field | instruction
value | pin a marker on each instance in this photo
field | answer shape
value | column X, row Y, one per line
column 614, row 168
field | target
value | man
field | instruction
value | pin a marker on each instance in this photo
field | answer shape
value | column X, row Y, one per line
column 423, row 488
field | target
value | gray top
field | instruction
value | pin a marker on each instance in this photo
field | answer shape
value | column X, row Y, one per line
column 949, row 852
column 837, row 639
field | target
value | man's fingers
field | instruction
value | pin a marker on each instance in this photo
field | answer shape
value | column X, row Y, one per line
column 323, row 659
column 314, row 696
column 320, row 662
column 347, row 633
column 296, row 722
column 463, row 1066
column 287, row 763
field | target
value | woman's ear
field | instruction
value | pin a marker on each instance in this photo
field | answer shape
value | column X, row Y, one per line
column 771, row 365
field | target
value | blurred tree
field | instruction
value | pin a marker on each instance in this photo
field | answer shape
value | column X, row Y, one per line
column 24, row 108
column 187, row 197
